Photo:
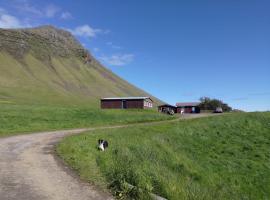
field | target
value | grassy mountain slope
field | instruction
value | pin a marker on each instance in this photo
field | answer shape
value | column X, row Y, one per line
column 47, row 65
column 48, row 81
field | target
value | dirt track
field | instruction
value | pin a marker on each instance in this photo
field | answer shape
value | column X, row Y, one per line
column 30, row 170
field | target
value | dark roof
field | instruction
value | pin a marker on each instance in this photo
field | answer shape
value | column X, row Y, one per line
column 187, row 104
column 126, row 98
column 167, row 105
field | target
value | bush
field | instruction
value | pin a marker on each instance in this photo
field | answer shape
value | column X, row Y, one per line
column 207, row 103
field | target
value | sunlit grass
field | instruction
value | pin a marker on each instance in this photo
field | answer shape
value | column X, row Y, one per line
column 29, row 118
column 222, row 157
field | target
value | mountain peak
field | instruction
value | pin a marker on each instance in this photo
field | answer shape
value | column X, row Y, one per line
column 45, row 41
column 49, row 31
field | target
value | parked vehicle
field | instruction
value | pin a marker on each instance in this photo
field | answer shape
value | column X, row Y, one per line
column 168, row 111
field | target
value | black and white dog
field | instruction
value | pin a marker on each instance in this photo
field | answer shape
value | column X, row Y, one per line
column 102, row 144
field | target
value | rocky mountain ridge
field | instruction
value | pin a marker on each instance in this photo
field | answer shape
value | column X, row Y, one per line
column 44, row 41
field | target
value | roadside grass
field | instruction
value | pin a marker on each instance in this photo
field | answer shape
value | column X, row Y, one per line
column 222, row 157
column 16, row 118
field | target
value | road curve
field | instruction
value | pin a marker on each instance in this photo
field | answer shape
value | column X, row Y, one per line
column 29, row 169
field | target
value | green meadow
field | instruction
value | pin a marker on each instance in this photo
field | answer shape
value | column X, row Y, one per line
column 17, row 118
column 221, row 157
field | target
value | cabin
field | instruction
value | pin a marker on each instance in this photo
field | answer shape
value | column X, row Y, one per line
column 126, row 103
column 166, row 108
column 188, row 107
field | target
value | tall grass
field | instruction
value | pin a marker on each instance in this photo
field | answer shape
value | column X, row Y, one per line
column 223, row 157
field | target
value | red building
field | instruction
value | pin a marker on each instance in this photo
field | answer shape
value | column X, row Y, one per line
column 126, row 103
column 188, row 107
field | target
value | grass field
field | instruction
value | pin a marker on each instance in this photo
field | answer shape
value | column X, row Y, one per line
column 29, row 118
column 222, row 157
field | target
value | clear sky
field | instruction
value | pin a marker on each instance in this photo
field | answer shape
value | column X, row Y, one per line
column 176, row 50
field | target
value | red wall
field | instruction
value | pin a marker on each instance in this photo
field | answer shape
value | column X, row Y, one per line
column 135, row 104
column 111, row 104
column 117, row 104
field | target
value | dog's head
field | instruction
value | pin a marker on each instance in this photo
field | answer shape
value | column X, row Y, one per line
column 105, row 144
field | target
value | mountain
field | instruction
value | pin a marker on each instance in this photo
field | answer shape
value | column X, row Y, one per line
column 48, row 65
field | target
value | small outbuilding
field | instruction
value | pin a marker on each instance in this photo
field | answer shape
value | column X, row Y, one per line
column 126, row 103
column 188, row 107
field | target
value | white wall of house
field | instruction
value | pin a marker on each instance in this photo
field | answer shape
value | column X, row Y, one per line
column 148, row 104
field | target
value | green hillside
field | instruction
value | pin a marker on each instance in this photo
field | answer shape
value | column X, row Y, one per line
column 221, row 157
column 47, row 65
column 48, row 81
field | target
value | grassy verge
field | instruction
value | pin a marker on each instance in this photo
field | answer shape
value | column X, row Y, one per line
column 29, row 118
column 222, row 157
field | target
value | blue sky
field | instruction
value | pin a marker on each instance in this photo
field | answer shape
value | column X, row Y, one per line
column 176, row 50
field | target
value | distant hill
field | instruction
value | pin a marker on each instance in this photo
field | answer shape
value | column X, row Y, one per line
column 48, row 65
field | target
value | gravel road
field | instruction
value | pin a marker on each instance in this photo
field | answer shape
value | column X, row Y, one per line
column 30, row 170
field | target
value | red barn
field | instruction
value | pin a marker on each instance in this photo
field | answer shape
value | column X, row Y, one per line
column 189, row 107
column 126, row 103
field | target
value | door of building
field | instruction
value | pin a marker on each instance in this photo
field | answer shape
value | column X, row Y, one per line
column 124, row 104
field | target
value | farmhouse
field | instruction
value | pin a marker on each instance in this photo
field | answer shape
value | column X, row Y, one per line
column 189, row 107
column 126, row 103
column 166, row 108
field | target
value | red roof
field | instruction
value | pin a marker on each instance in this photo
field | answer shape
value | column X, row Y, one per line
column 187, row 104
column 126, row 98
